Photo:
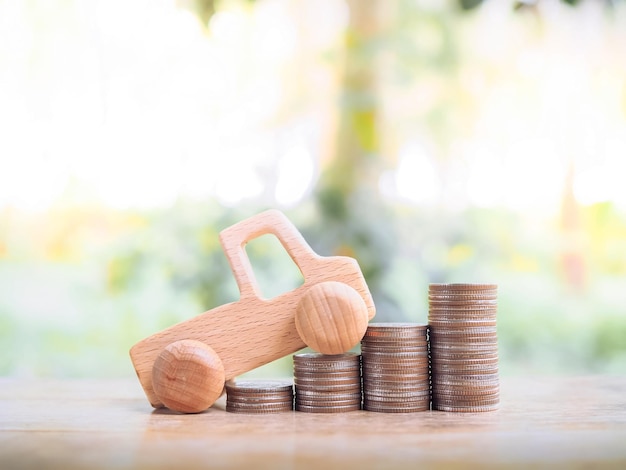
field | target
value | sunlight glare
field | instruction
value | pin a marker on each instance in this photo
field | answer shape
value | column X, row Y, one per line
column 295, row 175
column 416, row 179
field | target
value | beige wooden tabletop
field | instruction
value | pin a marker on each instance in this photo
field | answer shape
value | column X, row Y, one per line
column 66, row 424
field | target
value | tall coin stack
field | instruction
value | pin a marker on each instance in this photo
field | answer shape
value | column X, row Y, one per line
column 395, row 368
column 259, row 396
column 327, row 383
column 464, row 346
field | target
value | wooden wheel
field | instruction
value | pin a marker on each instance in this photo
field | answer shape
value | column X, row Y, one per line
column 188, row 376
column 331, row 317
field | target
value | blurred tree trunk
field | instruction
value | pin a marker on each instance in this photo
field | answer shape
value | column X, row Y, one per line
column 572, row 251
column 357, row 144
column 352, row 219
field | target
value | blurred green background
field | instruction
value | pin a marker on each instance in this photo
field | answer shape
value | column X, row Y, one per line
column 434, row 141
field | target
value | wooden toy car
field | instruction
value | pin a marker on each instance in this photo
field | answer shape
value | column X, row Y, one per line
column 184, row 367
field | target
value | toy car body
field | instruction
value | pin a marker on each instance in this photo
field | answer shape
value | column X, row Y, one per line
column 253, row 331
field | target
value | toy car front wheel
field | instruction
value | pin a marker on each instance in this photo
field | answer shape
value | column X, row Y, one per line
column 188, row 376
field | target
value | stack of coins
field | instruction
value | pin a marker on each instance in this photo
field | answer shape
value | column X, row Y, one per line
column 259, row 396
column 395, row 368
column 463, row 346
column 327, row 383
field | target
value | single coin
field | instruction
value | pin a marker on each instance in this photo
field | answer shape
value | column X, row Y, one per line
column 464, row 384
column 463, row 347
column 386, row 326
column 383, row 376
column 391, row 407
column 349, row 395
column 248, row 386
column 464, row 323
column 311, row 379
column 327, row 403
column 395, row 378
column 464, row 369
column 465, row 409
column 396, row 381
column 329, row 374
column 463, row 359
column 328, row 409
column 259, row 410
column 396, row 355
column 458, row 286
column 399, row 364
column 399, row 396
column 396, row 385
column 464, row 331
column 439, row 369
column 327, row 366
column 465, row 381
column 385, row 408
column 423, row 371
column 460, row 302
column 457, row 308
column 450, row 399
column 397, row 402
column 393, row 356
column 328, row 388
column 451, row 305
column 396, row 343
column 487, row 297
column 382, row 331
column 460, row 340
column 489, row 338
column 465, row 401
column 461, row 313
column 261, row 395
column 464, row 354
column 452, row 378
column 463, row 304
column 324, row 357
column 252, row 404
column 467, row 350
column 393, row 348
column 391, row 384
column 466, row 393
column 453, row 316
column 480, row 378
column 325, row 374
column 396, row 367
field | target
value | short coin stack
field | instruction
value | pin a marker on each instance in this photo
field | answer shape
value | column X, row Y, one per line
column 327, row 383
column 463, row 346
column 259, row 396
column 395, row 368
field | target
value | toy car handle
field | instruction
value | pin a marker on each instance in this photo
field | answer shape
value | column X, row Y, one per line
column 235, row 237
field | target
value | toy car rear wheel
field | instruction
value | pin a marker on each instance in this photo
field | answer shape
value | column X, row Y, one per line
column 331, row 317
column 188, row 376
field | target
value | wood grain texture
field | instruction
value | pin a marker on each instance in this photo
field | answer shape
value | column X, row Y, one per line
column 188, row 376
column 253, row 331
column 543, row 422
column 331, row 317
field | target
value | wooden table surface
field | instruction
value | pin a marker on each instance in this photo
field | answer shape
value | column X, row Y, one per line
column 565, row 422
